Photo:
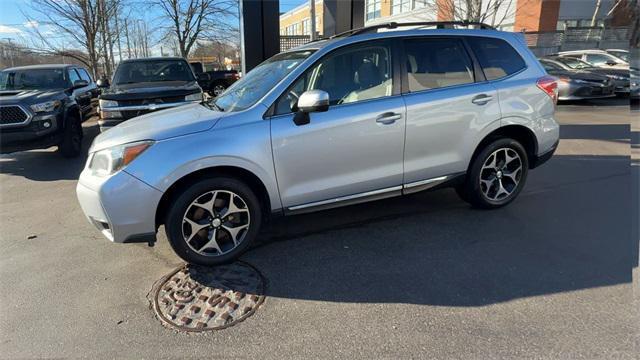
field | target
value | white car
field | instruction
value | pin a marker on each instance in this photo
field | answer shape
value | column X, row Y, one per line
column 597, row 58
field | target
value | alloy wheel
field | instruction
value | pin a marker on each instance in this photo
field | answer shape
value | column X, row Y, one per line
column 501, row 174
column 218, row 89
column 216, row 222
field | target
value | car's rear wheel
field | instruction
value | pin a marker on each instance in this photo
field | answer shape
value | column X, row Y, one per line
column 213, row 221
column 497, row 175
column 71, row 144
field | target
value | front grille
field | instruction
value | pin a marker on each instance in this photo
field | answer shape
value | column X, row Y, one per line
column 12, row 114
column 156, row 100
column 128, row 114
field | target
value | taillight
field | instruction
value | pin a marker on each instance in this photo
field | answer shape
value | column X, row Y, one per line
column 549, row 85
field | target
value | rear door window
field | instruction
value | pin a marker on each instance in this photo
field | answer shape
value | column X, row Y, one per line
column 497, row 58
column 437, row 63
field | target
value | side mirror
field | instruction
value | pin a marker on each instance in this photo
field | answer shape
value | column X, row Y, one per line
column 313, row 101
column 102, row 83
column 80, row 84
column 310, row 101
column 612, row 63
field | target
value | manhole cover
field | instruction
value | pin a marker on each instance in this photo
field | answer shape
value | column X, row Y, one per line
column 197, row 298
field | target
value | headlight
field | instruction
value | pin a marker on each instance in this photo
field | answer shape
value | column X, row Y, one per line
column 45, row 106
column 193, row 97
column 108, row 161
column 110, row 114
column 107, row 103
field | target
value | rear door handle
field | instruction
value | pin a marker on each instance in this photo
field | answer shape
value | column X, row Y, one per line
column 388, row 118
column 482, row 99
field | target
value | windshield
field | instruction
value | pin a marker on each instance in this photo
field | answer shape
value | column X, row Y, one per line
column 152, row 71
column 575, row 63
column 252, row 87
column 33, row 79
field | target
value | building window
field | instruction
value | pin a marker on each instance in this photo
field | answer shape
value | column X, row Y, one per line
column 373, row 9
column 306, row 27
column 418, row 4
column 400, row 6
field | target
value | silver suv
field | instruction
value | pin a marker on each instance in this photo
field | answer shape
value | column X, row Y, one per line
column 360, row 117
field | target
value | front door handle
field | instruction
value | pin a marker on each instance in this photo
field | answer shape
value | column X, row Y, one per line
column 388, row 118
column 481, row 99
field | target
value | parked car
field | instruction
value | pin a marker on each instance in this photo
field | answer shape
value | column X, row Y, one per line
column 578, row 84
column 597, row 58
column 620, row 54
column 620, row 77
column 141, row 86
column 214, row 82
column 43, row 106
column 336, row 122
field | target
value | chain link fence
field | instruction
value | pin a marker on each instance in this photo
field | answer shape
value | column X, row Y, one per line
column 290, row 41
column 579, row 38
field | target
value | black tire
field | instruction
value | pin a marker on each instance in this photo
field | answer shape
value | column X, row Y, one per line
column 71, row 144
column 182, row 202
column 471, row 190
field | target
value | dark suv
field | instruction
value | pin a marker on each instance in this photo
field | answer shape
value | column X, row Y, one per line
column 44, row 105
column 141, row 86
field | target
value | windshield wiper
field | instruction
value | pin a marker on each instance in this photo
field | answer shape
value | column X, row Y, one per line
column 216, row 106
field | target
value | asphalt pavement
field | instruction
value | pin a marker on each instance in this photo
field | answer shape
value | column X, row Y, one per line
column 422, row 276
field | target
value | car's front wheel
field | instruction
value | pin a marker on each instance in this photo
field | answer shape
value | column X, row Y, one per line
column 71, row 144
column 213, row 221
column 497, row 174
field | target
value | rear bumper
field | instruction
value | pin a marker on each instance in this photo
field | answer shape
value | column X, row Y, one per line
column 121, row 207
column 544, row 157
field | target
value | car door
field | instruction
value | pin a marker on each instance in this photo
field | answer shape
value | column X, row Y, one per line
column 81, row 94
column 354, row 150
column 92, row 89
column 448, row 104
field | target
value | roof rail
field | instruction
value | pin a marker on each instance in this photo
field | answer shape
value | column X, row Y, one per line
column 394, row 25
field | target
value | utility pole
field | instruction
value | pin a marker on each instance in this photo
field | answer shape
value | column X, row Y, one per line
column 118, row 36
column 126, row 34
column 10, row 50
column 312, row 10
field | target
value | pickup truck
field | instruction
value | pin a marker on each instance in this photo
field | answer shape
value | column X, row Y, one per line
column 214, row 82
column 141, row 86
column 43, row 106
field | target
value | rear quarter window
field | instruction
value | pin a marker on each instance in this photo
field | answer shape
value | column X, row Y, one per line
column 497, row 58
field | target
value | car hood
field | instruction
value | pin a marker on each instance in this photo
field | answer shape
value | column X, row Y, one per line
column 144, row 90
column 28, row 96
column 159, row 125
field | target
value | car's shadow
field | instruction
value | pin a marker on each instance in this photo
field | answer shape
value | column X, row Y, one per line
column 568, row 231
column 48, row 164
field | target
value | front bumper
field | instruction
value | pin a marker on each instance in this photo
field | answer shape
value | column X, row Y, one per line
column 122, row 207
column 41, row 132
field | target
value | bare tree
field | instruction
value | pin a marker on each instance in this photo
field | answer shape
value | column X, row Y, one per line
column 78, row 21
column 190, row 20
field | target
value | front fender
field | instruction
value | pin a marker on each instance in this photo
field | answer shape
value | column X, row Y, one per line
column 247, row 146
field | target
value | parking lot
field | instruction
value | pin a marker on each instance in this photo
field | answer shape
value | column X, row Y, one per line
column 549, row 276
